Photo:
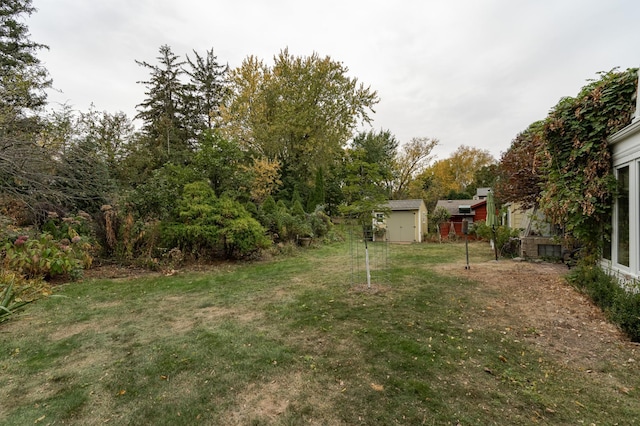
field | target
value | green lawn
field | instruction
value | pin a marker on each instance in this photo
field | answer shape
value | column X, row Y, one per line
column 292, row 341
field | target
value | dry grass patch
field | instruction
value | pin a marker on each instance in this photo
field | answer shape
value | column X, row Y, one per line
column 273, row 402
column 533, row 301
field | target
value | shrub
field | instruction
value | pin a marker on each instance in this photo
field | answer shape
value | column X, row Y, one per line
column 243, row 236
column 439, row 216
column 155, row 198
column 626, row 313
column 297, row 210
column 46, row 257
column 281, row 223
column 68, row 226
column 504, row 236
column 269, row 205
column 240, row 234
column 294, row 227
column 205, row 225
column 595, row 283
column 123, row 234
column 320, row 223
column 622, row 306
column 194, row 230
column 284, row 224
column 269, row 216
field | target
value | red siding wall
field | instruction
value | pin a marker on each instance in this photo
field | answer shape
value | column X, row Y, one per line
column 480, row 214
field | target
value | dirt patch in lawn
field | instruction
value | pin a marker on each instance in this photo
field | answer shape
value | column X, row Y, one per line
column 533, row 302
column 524, row 300
column 116, row 271
column 264, row 402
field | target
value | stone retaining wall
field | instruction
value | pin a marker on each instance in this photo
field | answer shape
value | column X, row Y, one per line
column 530, row 247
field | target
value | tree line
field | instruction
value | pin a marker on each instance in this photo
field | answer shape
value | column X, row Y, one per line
column 217, row 162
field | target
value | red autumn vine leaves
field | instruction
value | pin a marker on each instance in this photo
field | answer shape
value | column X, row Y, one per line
column 563, row 164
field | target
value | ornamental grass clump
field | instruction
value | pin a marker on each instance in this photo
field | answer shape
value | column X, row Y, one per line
column 16, row 292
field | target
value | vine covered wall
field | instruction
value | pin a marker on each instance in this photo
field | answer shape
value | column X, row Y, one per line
column 572, row 163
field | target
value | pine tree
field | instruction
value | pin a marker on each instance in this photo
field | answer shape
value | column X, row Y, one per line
column 163, row 110
column 23, row 79
column 24, row 165
column 206, row 90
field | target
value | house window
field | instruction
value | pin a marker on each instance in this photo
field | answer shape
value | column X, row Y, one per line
column 606, row 248
column 379, row 217
column 622, row 213
column 607, row 238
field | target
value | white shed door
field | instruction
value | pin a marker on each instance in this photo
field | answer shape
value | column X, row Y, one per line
column 401, row 226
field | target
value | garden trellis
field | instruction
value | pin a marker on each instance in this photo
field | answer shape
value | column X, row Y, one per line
column 369, row 258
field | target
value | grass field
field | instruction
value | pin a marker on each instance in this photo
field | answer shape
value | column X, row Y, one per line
column 292, row 341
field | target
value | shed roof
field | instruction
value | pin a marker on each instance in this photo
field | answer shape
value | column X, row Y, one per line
column 396, row 205
column 453, row 206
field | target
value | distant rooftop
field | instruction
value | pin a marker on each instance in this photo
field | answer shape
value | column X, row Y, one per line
column 404, row 204
column 482, row 193
column 453, row 206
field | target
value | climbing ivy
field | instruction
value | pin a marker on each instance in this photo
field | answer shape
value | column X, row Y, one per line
column 519, row 172
column 579, row 186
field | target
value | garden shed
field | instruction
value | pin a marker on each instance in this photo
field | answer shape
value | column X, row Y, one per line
column 406, row 222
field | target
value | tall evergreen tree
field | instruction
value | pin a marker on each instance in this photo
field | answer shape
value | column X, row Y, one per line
column 24, row 165
column 318, row 196
column 206, row 90
column 23, row 79
column 163, row 110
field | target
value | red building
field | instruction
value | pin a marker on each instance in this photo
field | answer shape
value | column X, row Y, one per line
column 472, row 210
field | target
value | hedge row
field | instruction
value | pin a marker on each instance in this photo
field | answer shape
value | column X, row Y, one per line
column 620, row 304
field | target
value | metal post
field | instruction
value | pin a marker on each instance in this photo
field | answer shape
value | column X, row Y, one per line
column 466, row 245
column 366, row 257
column 495, row 241
column 465, row 231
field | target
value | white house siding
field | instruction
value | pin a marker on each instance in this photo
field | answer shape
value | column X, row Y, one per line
column 624, row 259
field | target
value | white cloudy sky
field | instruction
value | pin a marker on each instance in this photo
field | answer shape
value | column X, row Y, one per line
column 468, row 72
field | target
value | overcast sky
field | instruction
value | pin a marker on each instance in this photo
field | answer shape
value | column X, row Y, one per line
column 467, row 72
